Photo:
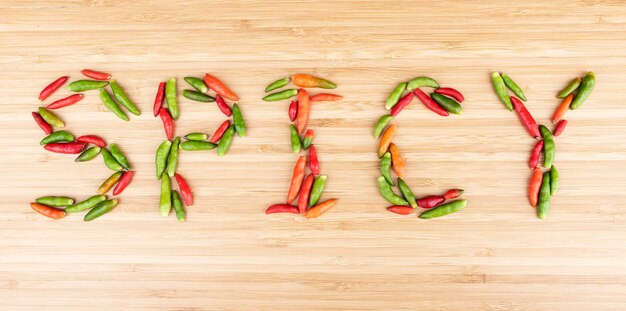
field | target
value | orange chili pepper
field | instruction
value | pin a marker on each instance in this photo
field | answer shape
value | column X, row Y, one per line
column 304, row 106
column 326, row 97
column 306, row 80
column 305, row 192
column 296, row 179
column 562, row 109
column 401, row 209
column 534, row 186
column 385, row 140
column 321, row 208
column 396, row 160
column 220, row 88
column 48, row 211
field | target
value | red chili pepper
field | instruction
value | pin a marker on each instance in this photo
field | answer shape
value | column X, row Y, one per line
column 96, row 75
column 314, row 163
column 560, row 126
column 219, row 87
column 185, row 190
column 47, row 128
column 534, row 155
column 430, row 103
column 50, row 88
column 304, row 106
column 326, row 97
column 69, row 148
column 430, row 201
column 158, row 100
column 223, row 106
column 534, row 185
column 168, row 122
column 293, row 110
column 67, row 101
column 296, row 179
column 401, row 209
column 124, row 181
column 448, row 91
column 92, row 139
column 404, row 101
column 220, row 131
column 282, row 208
column 305, row 192
column 526, row 118
column 47, row 211
column 453, row 194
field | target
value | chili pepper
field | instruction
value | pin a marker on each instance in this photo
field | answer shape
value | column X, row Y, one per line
column 385, row 140
column 96, row 75
column 100, row 209
column 223, row 106
column 388, row 194
column 108, row 102
column 453, row 194
column 305, row 192
column 158, row 99
column 534, row 155
column 396, row 160
column 86, row 85
column 197, row 84
column 554, row 180
column 447, row 103
column 119, row 156
column 226, row 141
column 172, row 159
column 296, row 145
column 67, row 101
column 430, row 201
column 558, row 129
column 197, row 96
column 304, row 106
column 122, row 98
column 282, row 208
column 124, row 181
column 306, row 80
column 525, row 117
column 191, row 145
column 55, row 201
column 168, row 122
column 381, row 124
column 296, row 179
column 500, row 88
column 47, row 211
column 444, row 209
column 109, row 182
column 513, row 86
column 450, row 92
column 549, row 147
column 110, row 161
column 317, row 189
column 430, row 103
column 385, row 166
column 404, row 101
column 284, row 94
column 401, row 209
column 219, row 87
column 178, row 206
column 219, row 132
column 586, row 86
column 47, row 128
column 185, row 190
column 50, row 117
column 170, row 98
column 319, row 209
column 395, row 95
column 418, row 82
column 238, row 121
column 197, row 136
column 87, row 204
column 92, row 139
column 88, row 154
column 165, row 203
column 544, row 197
column 406, row 192
column 308, row 139
column 277, row 84
column 570, row 88
column 314, row 163
column 68, row 148
column 326, row 97
column 293, row 110
column 50, row 88
column 562, row 109
column 57, row 137
column 162, row 153
column 534, row 185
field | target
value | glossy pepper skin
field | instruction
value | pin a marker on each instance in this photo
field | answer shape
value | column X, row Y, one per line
column 89, row 154
column 296, row 145
column 124, row 181
column 100, row 209
column 238, row 121
column 296, row 179
column 191, row 145
column 282, row 208
column 227, row 139
column 158, row 99
column 308, row 139
column 110, row 161
column 223, row 106
column 444, row 209
column 554, row 180
column 122, row 98
column 525, row 117
column 500, row 88
column 197, row 96
column 308, row 81
column 170, row 98
column 304, row 106
column 109, row 183
column 382, row 122
column 404, row 101
column 396, row 160
column 67, row 148
column 320, row 209
column 447, row 103
column 570, row 88
column 534, row 155
column 326, row 97
column 92, row 139
column 165, row 202
column 293, row 110
column 219, row 132
column 277, row 84
column 544, row 197
column 50, row 117
column 96, row 75
column 517, row 90
column 421, row 81
column 549, row 147
column 401, row 209
column 172, row 159
column 47, row 211
column 197, row 84
column 453, row 194
column 86, row 85
column 57, row 137
column 430, row 103
column 108, row 102
column 185, row 190
column 220, row 88
column 562, row 108
column 395, row 95
column 314, row 163
column 558, row 129
column 430, row 201
column 67, row 101
column 288, row 93
column 161, row 155
column 168, row 122
column 388, row 194
column 317, row 189
column 305, row 193
column 534, row 185
column 407, row 193
column 385, row 140
column 586, row 86
column 197, row 136
column 178, row 206
column 47, row 128
column 86, row 204
column 450, row 92
column 55, row 201
column 52, row 87
column 119, row 156
column 385, row 168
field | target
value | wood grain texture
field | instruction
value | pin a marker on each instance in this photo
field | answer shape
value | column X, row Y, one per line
column 494, row 255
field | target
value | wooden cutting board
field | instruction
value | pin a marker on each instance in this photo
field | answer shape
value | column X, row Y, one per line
column 494, row 255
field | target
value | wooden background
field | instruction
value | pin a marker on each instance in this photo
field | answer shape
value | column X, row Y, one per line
column 494, row 255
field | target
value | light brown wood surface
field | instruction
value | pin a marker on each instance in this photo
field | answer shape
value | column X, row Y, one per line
column 494, row 255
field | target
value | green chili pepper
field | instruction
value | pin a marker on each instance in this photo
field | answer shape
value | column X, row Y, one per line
column 288, row 93
column 549, row 147
column 87, row 204
column 110, row 161
column 544, row 197
column 122, row 98
column 197, row 84
column 240, row 123
column 162, row 153
column 110, row 182
column 500, row 88
column 86, row 85
column 50, row 117
column 172, row 160
column 385, row 168
column 381, row 124
column 407, row 193
column 513, row 86
column 108, row 102
column 178, row 206
column 56, row 137
column 170, row 98
column 444, row 209
column 586, row 86
column 100, row 209
column 554, row 180
column 165, row 204
column 197, row 96
column 296, row 146
column 447, row 103
column 317, row 189
column 571, row 87
column 55, row 201
column 277, row 84
column 395, row 95
column 88, row 154
column 119, row 156
column 197, row 145
column 226, row 141
column 421, row 82
column 196, row 136
column 387, row 193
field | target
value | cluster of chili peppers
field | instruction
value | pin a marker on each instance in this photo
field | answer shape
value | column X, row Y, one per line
column 307, row 189
column 61, row 141
column 543, row 185
column 167, row 152
column 442, row 101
